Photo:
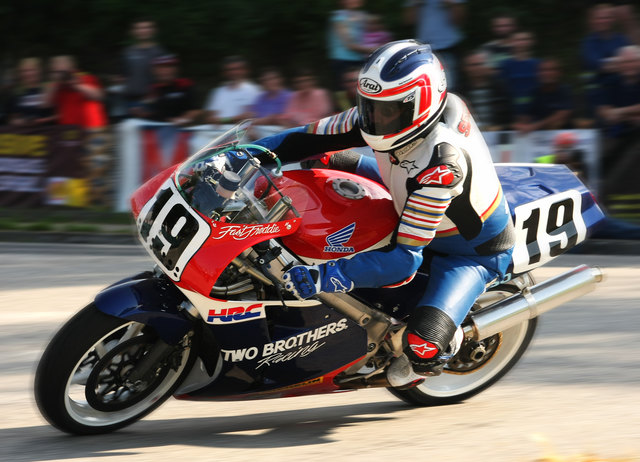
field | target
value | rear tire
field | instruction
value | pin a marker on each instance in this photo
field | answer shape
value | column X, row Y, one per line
column 466, row 374
column 81, row 382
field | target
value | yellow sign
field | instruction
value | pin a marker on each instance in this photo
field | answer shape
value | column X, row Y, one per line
column 12, row 144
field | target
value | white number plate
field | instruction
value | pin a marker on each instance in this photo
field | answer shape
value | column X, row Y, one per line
column 170, row 230
column 546, row 228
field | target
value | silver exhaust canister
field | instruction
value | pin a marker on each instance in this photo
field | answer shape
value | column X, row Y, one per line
column 533, row 301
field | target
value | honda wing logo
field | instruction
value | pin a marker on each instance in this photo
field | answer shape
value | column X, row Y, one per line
column 337, row 240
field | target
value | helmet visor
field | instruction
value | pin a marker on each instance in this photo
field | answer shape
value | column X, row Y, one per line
column 385, row 117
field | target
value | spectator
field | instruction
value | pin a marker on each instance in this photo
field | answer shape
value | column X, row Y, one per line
column 625, row 14
column 345, row 38
column 273, row 100
column 137, row 59
column 7, row 85
column 598, row 50
column 375, row 34
column 620, row 110
column 308, row 102
column 484, row 93
column 346, row 97
column 503, row 26
column 26, row 105
column 76, row 96
column 172, row 98
column 620, row 100
column 619, row 106
column 232, row 101
column 520, row 71
column 551, row 103
column 439, row 23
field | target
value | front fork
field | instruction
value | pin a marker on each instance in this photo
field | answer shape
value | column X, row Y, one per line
column 152, row 299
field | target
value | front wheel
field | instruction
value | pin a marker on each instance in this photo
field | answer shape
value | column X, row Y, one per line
column 82, row 382
column 477, row 366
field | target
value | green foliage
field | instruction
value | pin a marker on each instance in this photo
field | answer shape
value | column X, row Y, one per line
column 37, row 226
column 7, row 224
column 80, row 228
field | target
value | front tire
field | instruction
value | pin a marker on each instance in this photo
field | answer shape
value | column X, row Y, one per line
column 476, row 367
column 81, row 384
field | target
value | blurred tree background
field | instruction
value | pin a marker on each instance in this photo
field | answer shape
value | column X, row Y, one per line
column 283, row 33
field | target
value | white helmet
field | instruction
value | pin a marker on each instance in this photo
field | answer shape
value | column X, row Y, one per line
column 402, row 91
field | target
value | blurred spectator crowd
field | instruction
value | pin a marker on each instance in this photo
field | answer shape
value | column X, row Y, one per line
column 505, row 83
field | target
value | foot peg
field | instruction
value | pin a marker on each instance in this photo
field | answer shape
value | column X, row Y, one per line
column 401, row 375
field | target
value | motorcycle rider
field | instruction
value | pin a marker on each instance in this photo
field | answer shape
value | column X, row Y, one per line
column 454, row 220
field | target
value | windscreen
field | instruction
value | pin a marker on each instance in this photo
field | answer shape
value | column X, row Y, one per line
column 227, row 184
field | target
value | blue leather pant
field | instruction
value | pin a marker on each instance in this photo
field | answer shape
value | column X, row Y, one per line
column 456, row 281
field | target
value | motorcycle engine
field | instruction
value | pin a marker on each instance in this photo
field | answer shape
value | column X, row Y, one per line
column 235, row 285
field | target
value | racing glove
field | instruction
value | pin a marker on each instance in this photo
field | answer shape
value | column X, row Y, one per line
column 307, row 281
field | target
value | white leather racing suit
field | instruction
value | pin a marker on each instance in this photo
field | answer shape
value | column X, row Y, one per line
column 448, row 197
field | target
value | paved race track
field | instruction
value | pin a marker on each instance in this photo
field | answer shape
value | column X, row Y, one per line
column 575, row 393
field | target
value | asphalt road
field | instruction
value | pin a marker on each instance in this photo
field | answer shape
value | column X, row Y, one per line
column 575, row 393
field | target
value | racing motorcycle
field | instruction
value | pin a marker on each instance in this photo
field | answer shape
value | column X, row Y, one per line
column 211, row 320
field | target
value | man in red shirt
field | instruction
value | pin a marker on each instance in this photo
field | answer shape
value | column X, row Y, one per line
column 76, row 96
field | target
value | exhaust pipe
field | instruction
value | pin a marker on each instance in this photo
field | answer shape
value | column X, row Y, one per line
column 533, row 301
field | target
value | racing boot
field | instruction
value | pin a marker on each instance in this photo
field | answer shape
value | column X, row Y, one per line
column 431, row 339
column 402, row 374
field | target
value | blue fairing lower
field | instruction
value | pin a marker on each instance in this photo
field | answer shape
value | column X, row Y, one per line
column 149, row 300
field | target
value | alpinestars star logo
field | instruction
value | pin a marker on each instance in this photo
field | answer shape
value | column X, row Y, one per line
column 337, row 240
column 421, row 347
column 338, row 286
column 409, row 165
column 440, row 175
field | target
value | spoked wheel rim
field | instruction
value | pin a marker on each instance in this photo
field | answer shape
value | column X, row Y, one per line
column 109, row 387
column 464, row 376
column 85, row 399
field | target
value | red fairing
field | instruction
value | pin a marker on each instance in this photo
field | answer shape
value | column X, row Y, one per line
column 145, row 192
column 219, row 242
column 341, row 213
column 226, row 242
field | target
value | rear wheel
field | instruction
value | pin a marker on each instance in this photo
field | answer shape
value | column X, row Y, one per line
column 477, row 366
column 83, row 382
